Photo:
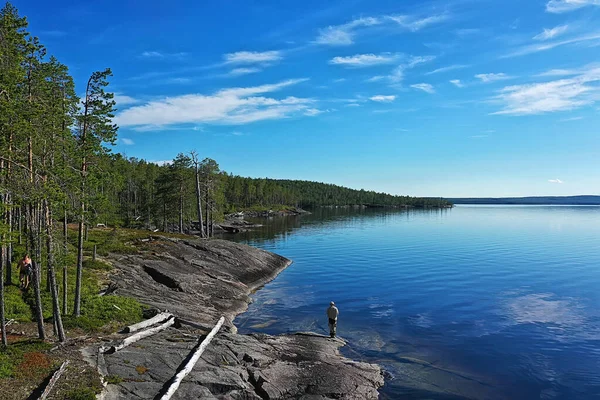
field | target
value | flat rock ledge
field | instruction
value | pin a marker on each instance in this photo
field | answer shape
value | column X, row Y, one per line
column 200, row 280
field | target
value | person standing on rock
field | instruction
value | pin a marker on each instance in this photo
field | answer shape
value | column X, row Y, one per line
column 332, row 314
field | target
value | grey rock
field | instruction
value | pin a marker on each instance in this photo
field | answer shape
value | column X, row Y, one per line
column 200, row 281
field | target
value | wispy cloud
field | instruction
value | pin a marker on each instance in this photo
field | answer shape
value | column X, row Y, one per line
column 448, row 68
column 383, row 98
column 553, row 96
column 343, row 35
column 457, row 83
column 557, row 72
column 555, row 181
column 551, row 33
column 127, row 141
column 159, row 55
column 252, row 57
column 561, row 6
column 376, row 78
column 123, row 100
column 397, row 74
column 571, row 119
column 538, row 47
column 233, row 106
column 492, row 77
column 243, row 71
column 414, row 24
column 364, row 60
column 313, row 112
column 426, row 87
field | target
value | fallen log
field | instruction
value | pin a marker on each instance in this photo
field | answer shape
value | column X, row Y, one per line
column 53, row 380
column 140, row 335
column 151, row 321
column 193, row 360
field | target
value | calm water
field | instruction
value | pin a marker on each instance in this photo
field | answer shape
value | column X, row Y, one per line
column 472, row 302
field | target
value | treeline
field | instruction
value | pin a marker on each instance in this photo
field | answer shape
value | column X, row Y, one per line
column 189, row 194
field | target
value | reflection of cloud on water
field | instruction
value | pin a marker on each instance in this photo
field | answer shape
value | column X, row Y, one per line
column 380, row 310
column 544, row 308
column 421, row 320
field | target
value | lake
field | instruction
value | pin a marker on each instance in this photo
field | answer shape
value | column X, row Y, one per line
column 495, row 302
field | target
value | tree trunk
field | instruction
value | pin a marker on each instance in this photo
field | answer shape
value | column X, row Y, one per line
column 164, row 216
column 206, row 207
column 66, row 250
column 181, row 212
column 199, row 203
column 2, row 318
column 2, row 261
column 52, row 277
column 77, row 303
column 39, row 315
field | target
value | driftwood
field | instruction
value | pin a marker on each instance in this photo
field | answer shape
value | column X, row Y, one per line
column 140, row 335
column 53, row 380
column 193, row 360
column 151, row 321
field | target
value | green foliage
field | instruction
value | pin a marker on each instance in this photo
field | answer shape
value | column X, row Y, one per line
column 15, row 307
column 113, row 379
column 97, row 265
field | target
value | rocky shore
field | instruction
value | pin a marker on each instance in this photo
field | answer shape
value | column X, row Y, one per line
column 199, row 281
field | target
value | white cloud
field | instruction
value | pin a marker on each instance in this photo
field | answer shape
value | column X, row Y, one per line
column 488, row 78
column 551, row 33
column 397, row 74
column 383, row 99
column 312, row 112
column 243, row 71
column 352, row 105
column 446, row 69
column 426, row 87
column 231, row 106
column 457, row 83
column 152, row 54
column 123, row 100
column 159, row 55
column 343, row 35
column 127, row 142
column 339, row 80
column 555, row 181
column 376, row 78
column 252, row 57
column 364, row 60
column 536, row 48
column 571, row 119
column 559, row 95
column 557, row 72
column 415, row 24
column 416, row 60
column 560, row 6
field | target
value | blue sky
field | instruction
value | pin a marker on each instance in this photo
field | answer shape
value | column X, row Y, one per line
column 440, row 98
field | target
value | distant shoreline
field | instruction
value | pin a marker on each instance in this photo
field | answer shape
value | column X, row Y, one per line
column 583, row 200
